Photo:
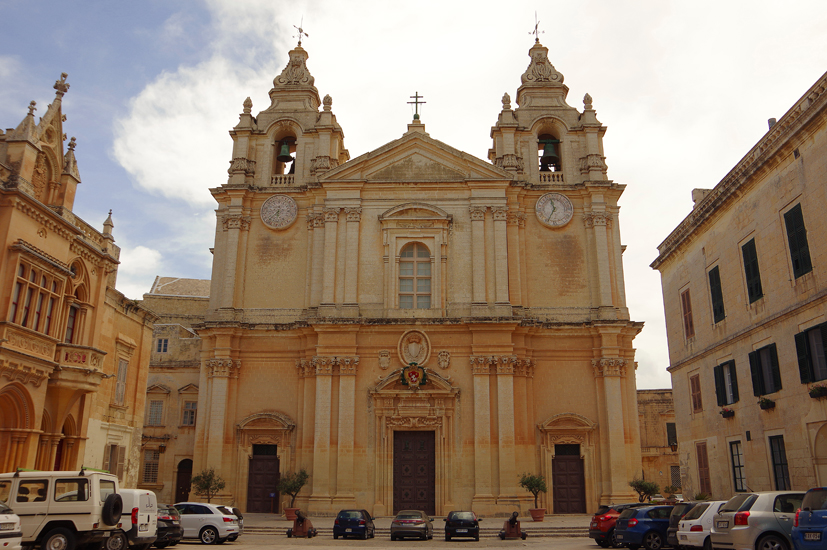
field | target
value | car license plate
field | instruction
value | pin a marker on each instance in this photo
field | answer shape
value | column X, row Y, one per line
column 619, row 537
column 722, row 525
column 348, row 530
column 462, row 530
column 812, row 536
column 683, row 537
column 106, row 533
column 144, row 527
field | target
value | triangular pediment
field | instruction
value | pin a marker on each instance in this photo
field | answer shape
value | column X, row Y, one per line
column 416, row 157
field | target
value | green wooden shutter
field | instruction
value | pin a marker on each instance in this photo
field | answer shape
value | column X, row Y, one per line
column 755, row 371
column 797, row 238
column 751, row 271
column 734, row 375
column 776, row 373
column 805, row 369
column 720, row 385
column 717, row 295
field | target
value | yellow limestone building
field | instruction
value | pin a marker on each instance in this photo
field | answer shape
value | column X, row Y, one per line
column 416, row 327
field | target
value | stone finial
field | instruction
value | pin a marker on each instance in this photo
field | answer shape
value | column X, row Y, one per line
column 32, row 107
column 70, row 163
column 587, row 102
column 540, row 70
column 506, row 101
column 108, row 225
column 73, row 143
column 248, row 106
column 295, row 73
column 327, row 102
column 63, row 118
column 61, row 86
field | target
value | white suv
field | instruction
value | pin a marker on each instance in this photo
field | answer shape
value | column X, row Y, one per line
column 207, row 522
column 59, row 510
column 10, row 535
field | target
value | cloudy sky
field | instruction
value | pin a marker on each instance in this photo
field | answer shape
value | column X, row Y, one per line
column 684, row 87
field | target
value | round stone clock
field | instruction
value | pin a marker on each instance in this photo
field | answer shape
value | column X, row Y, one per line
column 554, row 210
column 279, row 211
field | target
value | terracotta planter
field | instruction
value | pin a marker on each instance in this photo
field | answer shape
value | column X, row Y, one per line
column 537, row 514
column 290, row 513
column 766, row 405
column 727, row 414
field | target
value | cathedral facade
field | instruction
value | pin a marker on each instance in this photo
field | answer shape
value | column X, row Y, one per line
column 417, row 327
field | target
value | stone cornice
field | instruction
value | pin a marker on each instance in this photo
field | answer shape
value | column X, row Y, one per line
column 807, row 109
column 41, row 214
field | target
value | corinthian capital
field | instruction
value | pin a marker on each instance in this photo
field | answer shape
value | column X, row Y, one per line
column 477, row 212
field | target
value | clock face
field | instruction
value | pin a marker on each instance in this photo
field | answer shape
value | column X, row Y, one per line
column 279, row 211
column 554, row 210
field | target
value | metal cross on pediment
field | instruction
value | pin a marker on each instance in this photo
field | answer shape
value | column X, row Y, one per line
column 301, row 31
column 536, row 32
column 416, row 103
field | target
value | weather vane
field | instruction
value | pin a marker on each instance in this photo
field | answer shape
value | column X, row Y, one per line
column 536, row 32
column 301, row 31
column 416, row 103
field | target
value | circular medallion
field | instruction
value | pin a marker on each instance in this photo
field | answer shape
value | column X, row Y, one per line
column 554, row 210
column 414, row 347
column 279, row 211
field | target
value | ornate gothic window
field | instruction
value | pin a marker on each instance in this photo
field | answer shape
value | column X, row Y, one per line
column 415, row 277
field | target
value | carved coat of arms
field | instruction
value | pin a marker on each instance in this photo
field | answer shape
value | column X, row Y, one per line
column 414, row 347
column 414, row 376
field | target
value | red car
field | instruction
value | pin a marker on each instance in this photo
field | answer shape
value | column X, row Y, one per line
column 602, row 526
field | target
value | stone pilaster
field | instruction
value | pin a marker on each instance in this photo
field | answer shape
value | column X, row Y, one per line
column 233, row 223
column 316, row 272
column 354, row 215
column 599, row 223
column 611, row 369
column 514, row 258
column 345, row 497
column 219, row 371
column 331, row 224
column 320, row 497
column 500, row 255
column 483, row 494
column 505, row 365
column 478, row 253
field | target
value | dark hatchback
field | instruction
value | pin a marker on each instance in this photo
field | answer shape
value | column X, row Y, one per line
column 645, row 526
column 353, row 523
column 602, row 525
column 680, row 510
column 169, row 527
column 810, row 526
column 462, row 524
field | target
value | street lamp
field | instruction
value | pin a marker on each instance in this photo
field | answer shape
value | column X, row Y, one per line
column 674, row 446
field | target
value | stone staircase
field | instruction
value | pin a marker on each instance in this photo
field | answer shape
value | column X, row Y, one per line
column 533, row 530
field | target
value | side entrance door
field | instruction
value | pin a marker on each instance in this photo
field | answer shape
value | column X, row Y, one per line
column 414, row 472
column 568, row 480
column 183, row 481
column 262, row 495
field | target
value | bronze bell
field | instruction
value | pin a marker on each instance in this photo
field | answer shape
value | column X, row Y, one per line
column 284, row 154
column 550, row 156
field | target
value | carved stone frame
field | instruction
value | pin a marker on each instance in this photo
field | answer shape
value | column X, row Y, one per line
column 569, row 428
column 434, row 408
column 267, row 428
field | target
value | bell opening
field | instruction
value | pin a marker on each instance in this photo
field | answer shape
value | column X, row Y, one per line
column 548, row 153
column 285, row 162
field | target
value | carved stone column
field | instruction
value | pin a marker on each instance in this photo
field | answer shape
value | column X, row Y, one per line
column 316, row 272
column 505, row 426
column 347, row 422
column 478, row 253
column 331, row 223
column 500, row 255
column 320, row 498
column 514, row 268
column 219, row 371
column 483, row 495
column 600, row 223
column 354, row 215
column 234, row 223
column 611, row 370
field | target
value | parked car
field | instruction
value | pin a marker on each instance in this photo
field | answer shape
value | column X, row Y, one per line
column 645, row 526
column 353, row 523
column 809, row 530
column 140, row 531
column 11, row 537
column 206, row 522
column 240, row 517
column 412, row 523
column 170, row 531
column 694, row 527
column 756, row 521
column 462, row 524
column 230, row 511
column 678, row 511
column 602, row 525
column 61, row 510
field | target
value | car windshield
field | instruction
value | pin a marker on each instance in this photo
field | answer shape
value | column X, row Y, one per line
column 738, row 503
column 680, row 509
column 695, row 512
column 815, row 499
column 5, row 509
column 409, row 515
column 627, row 513
column 462, row 515
column 350, row 514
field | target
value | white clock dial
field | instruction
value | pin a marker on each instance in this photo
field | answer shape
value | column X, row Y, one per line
column 554, row 210
column 279, row 211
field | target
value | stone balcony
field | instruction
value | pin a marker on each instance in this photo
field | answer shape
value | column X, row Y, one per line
column 283, row 180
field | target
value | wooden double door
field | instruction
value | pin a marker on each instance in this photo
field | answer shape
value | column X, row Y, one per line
column 262, row 480
column 414, row 472
column 568, row 480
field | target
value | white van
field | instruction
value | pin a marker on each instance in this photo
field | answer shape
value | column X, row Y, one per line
column 139, row 523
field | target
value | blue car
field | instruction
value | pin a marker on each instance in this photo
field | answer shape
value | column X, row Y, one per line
column 353, row 523
column 810, row 526
column 644, row 526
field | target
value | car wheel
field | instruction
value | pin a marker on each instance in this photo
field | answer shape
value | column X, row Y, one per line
column 477, row 537
column 116, row 542
column 447, row 536
column 708, row 543
column 161, row 544
column 220, row 541
column 393, row 537
column 653, row 541
column 633, row 546
column 364, row 535
column 613, row 539
column 603, row 543
column 208, row 535
column 771, row 542
column 58, row 539
column 335, row 537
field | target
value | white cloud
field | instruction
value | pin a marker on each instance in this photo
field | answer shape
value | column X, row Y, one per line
column 137, row 270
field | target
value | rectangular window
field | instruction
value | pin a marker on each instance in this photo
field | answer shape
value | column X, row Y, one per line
column 32, row 490
column 810, row 346
column 779, row 463
column 120, row 384
column 162, row 345
column 686, row 308
column 718, row 313
column 763, row 366
column 739, row 479
column 675, row 476
column 695, row 388
column 71, row 490
column 671, row 433
column 151, row 459
column 113, row 460
column 753, row 275
column 797, row 237
column 726, row 383
column 190, row 408
column 703, row 468
column 155, row 413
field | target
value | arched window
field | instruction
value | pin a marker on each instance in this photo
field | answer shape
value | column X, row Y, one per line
column 415, row 277
column 548, row 149
column 70, row 324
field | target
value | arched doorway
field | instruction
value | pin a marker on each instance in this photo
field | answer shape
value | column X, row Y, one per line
column 183, row 480
column 16, row 419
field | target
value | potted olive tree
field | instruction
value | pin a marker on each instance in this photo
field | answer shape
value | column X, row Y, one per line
column 535, row 484
column 291, row 483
